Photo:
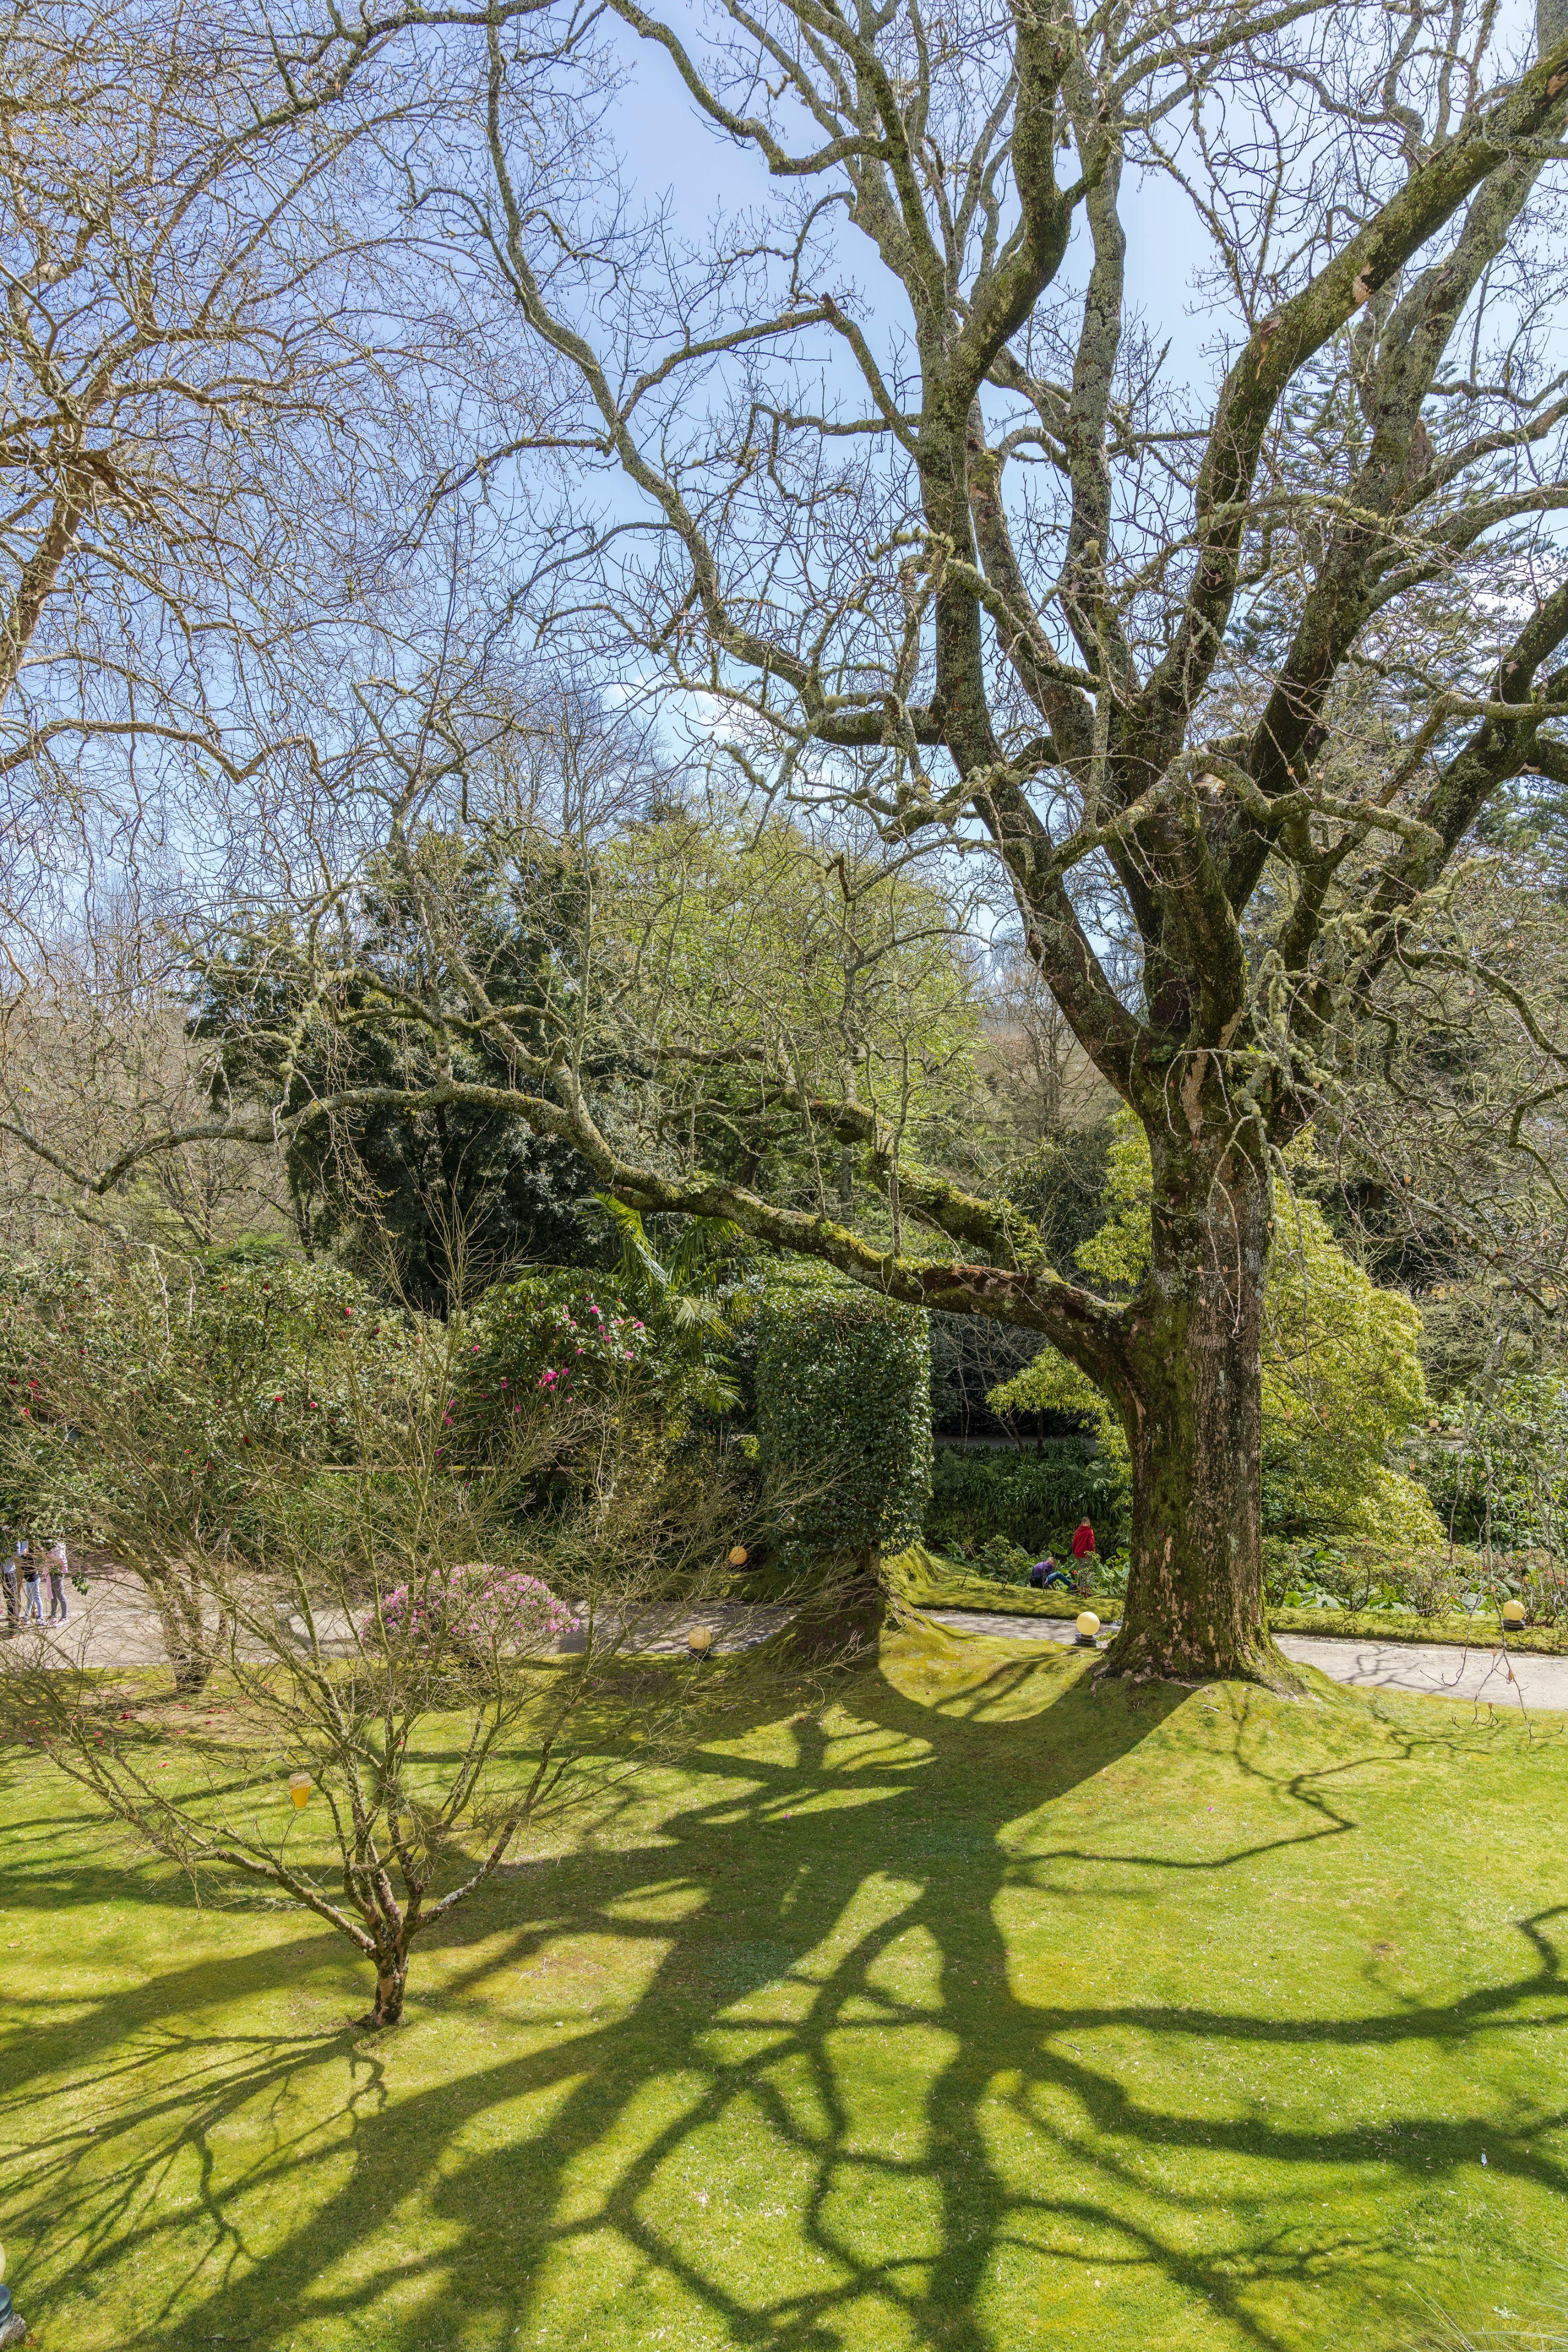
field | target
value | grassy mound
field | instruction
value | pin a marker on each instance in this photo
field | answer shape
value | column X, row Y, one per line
column 1456, row 1631
column 976, row 2007
column 926, row 1580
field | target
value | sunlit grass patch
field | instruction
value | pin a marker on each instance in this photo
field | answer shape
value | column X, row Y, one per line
column 970, row 2002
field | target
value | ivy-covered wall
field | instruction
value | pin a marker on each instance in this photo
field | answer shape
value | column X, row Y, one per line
column 843, row 1417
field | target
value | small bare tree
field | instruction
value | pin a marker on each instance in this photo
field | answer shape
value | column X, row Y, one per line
column 408, row 1666
column 96, row 1056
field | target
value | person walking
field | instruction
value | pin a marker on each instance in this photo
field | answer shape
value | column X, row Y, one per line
column 1083, row 1540
column 10, row 1568
column 32, row 1614
column 59, row 1608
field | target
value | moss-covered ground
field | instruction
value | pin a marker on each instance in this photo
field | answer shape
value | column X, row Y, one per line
column 969, row 2007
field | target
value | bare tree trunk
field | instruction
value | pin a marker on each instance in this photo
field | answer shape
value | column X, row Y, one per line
column 192, row 1655
column 1195, row 1598
column 391, row 1983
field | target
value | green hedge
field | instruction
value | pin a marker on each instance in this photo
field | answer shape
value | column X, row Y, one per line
column 843, row 1417
column 1031, row 1499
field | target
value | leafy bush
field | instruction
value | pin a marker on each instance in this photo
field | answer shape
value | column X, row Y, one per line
column 1498, row 1469
column 1431, row 1585
column 1545, row 1593
column 1032, row 1501
column 1389, row 1580
column 1108, row 1578
column 209, row 1369
column 562, row 1338
column 843, row 1417
column 1341, row 1371
column 1003, row 1561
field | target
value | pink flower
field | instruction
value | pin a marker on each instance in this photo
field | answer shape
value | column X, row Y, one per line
column 479, row 1603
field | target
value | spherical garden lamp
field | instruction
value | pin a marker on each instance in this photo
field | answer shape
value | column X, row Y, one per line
column 1513, row 1614
column 299, row 1789
column 699, row 1641
column 1087, row 1629
column 739, row 1556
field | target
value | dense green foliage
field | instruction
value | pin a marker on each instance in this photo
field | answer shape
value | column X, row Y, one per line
column 573, row 1342
column 1496, row 1466
column 1342, row 1383
column 1061, row 1186
column 551, row 1339
column 455, row 1195
column 1029, row 1500
column 742, row 939
column 162, row 1394
column 970, row 1356
column 843, row 1417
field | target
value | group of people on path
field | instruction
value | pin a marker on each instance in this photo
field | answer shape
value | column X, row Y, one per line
column 22, row 1571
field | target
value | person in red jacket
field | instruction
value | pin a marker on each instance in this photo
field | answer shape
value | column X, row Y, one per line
column 1083, row 1540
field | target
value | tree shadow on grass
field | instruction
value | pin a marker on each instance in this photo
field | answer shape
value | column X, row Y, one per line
column 829, row 2118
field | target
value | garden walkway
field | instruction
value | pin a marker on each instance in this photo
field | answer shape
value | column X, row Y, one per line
column 1435, row 1670
column 112, row 1625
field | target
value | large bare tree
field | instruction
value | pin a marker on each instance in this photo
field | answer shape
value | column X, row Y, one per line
column 1222, row 663
column 208, row 418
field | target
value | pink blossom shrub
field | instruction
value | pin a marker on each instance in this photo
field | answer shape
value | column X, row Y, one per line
column 499, row 1608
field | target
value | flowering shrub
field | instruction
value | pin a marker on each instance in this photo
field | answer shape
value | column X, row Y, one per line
column 585, row 1337
column 478, row 1603
column 549, row 1341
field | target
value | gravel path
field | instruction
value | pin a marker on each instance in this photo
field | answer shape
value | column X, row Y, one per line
column 111, row 1624
column 1435, row 1669
column 114, row 1624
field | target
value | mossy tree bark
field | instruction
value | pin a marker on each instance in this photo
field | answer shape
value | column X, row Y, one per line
column 1193, row 1411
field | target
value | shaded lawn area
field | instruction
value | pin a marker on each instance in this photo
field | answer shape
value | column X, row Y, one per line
column 978, row 2010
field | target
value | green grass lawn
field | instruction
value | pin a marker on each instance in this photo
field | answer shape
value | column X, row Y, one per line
column 978, row 2010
